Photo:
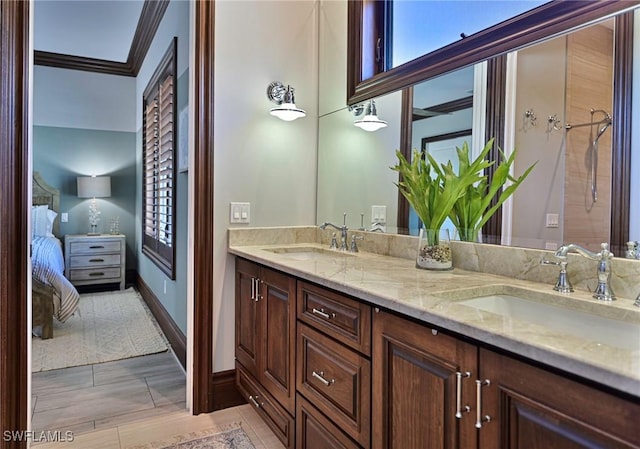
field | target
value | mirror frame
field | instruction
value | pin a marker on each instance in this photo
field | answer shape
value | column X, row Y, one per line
column 365, row 26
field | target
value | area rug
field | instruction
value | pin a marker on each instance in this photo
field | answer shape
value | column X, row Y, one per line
column 229, row 437
column 108, row 326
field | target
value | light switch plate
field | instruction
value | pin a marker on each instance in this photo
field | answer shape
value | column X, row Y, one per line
column 379, row 214
column 240, row 213
column 64, row 217
column 552, row 220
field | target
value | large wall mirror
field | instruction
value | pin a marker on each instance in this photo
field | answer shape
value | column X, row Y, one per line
column 553, row 87
column 372, row 72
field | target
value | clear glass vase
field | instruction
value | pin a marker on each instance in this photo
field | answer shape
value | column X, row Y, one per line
column 434, row 250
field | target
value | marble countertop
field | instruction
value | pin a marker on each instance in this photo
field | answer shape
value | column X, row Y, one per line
column 395, row 283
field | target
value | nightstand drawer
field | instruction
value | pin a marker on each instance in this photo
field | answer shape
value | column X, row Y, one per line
column 94, row 247
column 95, row 274
column 96, row 260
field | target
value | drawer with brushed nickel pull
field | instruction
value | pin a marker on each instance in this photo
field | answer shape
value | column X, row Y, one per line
column 95, row 259
column 341, row 317
column 336, row 380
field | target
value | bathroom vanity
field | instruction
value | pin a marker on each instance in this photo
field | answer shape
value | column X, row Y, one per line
column 340, row 350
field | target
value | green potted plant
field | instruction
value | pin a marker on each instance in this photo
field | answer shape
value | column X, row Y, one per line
column 473, row 208
column 432, row 192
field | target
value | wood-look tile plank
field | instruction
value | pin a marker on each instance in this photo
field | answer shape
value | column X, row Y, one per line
column 135, row 367
column 76, row 429
column 128, row 418
column 167, row 388
column 59, row 380
column 55, row 410
column 100, row 439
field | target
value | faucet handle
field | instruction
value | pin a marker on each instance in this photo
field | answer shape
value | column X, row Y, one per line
column 637, row 301
column 563, row 285
column 354, row 245
column 334, row 241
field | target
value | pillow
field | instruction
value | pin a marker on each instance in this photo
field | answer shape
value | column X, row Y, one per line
column 51, row 216
column 39, row 220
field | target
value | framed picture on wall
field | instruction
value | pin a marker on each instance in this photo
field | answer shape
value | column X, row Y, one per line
column 183, row 140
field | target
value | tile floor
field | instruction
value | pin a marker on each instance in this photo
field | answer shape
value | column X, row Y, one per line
column 127, row 403
column 85, row 398
column 164, row 427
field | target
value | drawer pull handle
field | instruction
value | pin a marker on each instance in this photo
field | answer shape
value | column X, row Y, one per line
column 320, row 377
column 252, row 399
column 96, row 247
column 459, row 408
column 479, row 418
column 323, row 314
column 97, row 273
column 96, row 260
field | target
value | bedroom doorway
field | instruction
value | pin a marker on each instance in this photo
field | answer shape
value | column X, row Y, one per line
column 16, row 178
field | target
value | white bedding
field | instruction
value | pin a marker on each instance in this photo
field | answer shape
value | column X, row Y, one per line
column 48, row 267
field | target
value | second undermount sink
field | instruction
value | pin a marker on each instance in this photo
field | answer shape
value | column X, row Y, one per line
column 308, row 253
column 532, row 307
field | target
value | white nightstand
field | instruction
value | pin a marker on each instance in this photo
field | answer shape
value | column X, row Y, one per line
column 95, row 259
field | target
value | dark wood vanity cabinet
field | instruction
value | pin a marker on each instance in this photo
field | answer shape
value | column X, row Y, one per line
column 533, row 408
column 511, row 404
column 333, row 368
column 265, row 341
column 325, row 370
column 417, row 390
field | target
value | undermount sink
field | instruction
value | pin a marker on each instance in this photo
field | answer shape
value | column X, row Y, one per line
column 308, row 253
column 538, row 308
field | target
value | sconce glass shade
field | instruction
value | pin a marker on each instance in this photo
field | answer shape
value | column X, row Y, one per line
column 94, row 186
column 370, row 122
column 287, row 109
column 288, row 112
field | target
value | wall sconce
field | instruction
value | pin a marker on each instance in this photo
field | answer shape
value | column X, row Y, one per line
column 94, row 187
column 370, row 121
column 283, row 96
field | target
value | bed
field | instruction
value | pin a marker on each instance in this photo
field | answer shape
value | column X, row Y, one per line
column 53, row 296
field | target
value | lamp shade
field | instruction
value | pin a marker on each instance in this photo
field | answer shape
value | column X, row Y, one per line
column 94, row 186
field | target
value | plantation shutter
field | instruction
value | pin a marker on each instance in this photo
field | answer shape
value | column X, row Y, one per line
column 158, row 166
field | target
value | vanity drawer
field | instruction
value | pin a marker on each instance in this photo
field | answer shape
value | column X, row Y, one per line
column 337, row 380
column 315, row 431
column 343, row 318
column 95, row 260
column 278, row 420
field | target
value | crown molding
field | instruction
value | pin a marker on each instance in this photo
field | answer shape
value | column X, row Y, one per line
column 150, row 18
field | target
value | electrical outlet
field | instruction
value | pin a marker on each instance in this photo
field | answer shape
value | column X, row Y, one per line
column 240, row 213
column 551, row 246
column 552, row 220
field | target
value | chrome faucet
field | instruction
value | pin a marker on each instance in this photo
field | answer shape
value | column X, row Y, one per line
column 603, row 291
column 343, row 232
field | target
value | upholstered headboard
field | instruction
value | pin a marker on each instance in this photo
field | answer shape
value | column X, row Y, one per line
column 42, row 193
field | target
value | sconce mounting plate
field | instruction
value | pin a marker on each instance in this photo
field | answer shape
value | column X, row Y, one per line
column 276, row 91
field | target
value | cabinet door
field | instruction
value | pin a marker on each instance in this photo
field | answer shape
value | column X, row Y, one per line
column 315, row 431
column 276, row 309
column 246, row 315
column 533, row 408
column 415, row 385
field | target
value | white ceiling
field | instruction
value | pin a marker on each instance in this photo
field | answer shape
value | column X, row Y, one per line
column 89, row 28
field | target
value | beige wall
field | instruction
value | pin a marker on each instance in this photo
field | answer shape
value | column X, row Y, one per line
column 353, row 165
column 541, row 89
column 589, row 85
column 259, row 158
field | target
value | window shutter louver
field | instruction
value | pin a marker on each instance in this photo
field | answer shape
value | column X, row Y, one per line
column 158, row 166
